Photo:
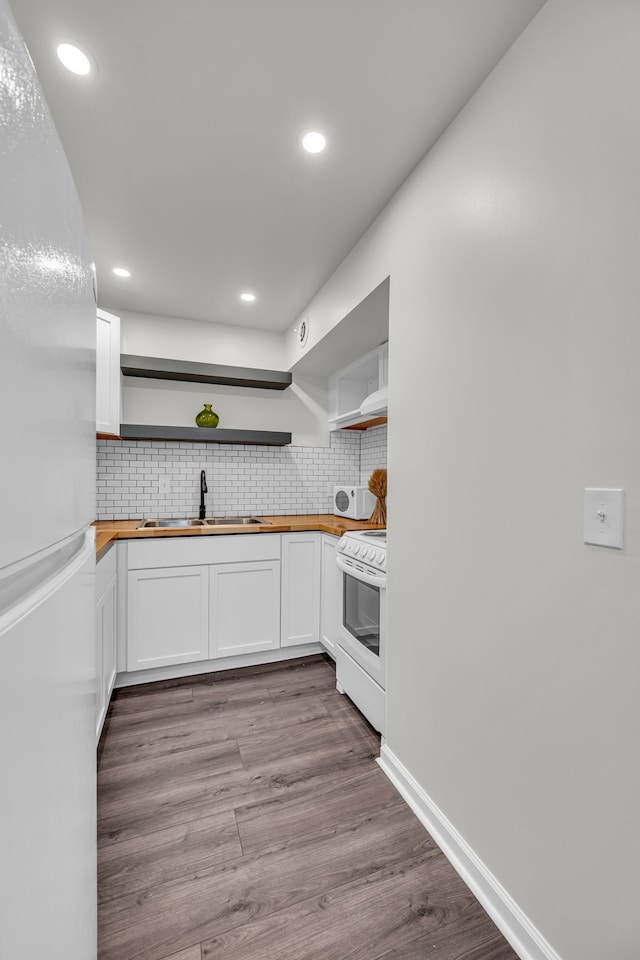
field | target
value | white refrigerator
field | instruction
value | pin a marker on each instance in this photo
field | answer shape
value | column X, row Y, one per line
column 47, row 556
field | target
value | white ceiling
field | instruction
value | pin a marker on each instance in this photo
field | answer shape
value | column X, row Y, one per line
column 185, row 149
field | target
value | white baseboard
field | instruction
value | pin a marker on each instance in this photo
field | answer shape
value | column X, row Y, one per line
column 179, row 670
column 515, row 926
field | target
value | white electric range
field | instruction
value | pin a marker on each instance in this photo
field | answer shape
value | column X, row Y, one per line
column 361, row 652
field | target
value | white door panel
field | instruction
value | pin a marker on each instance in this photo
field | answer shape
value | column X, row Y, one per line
column 300, row 588
column 329, row 585
column 168, row 616
column 107, row 373
column 245, row 607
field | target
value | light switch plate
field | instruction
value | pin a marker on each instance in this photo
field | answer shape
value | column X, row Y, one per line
column 164, row 486
column 604, row 517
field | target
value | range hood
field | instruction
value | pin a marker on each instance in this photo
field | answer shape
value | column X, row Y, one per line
column 375, row 404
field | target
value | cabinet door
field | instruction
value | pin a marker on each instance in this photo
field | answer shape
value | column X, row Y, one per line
column 100, row 699
column 105, row 652
column 244, row 607
column 329, row 586
column 107, row 373
column 300, row 588
column 109, row 640
column 168, row 614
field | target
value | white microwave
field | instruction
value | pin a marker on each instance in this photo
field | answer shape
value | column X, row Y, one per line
column 356, row 503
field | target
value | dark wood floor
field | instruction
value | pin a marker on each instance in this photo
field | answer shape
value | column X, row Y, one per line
column 241, row 816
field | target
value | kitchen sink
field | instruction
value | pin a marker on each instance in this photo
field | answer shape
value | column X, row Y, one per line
column 146, row 524
column 233, row 521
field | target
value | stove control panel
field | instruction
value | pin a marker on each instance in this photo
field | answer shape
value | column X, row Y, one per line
column 368, row 549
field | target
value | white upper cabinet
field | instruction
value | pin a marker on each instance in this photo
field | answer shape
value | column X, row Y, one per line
column 108, row 374
column 358, row 393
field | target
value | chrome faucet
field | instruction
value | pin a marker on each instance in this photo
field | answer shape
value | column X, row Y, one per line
column 203, row 490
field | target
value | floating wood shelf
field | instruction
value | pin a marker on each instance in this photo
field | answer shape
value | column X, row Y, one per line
column 374, row 422
column 143, row 431
column 162, row 369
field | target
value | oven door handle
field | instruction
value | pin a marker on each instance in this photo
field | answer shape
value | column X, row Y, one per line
column 371, row 578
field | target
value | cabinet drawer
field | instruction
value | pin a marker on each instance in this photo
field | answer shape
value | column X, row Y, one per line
column 187, row 551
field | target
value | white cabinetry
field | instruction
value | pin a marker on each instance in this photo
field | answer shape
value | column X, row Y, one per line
column 168, row 616
column 107, row 373
column 106, row 619
column 329, row 586
column 351, row 385
column 244, row 608
column 198, row 599
column 300, row 588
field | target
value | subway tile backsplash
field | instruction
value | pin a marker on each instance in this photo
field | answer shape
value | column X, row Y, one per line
column 242, row 479
column 373, row 451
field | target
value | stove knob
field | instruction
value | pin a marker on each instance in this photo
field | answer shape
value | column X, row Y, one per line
column 355, row 549
column 372, row 554
column 380, row 558
column 342, row 543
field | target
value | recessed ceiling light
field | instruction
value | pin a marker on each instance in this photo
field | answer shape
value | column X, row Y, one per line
column 314, row 142
column 74, row 59
column 248, row 297
column 121, row 272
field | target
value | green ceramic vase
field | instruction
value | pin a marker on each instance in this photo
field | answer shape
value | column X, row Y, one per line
column 207, row 417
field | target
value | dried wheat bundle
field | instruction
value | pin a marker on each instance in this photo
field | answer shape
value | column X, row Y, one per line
column 378, row 487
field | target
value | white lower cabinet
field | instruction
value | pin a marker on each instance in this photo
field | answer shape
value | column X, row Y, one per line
column 244, row 608
column 329, row 586
column 168, row 619
column 106, row 620
column 202, row 598
column 191, row 599
column 300, row 589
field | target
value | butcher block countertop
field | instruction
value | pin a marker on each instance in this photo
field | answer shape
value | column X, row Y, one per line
column 108, row 531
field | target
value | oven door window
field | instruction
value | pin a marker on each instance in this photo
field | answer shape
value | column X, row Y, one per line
column 361, row 613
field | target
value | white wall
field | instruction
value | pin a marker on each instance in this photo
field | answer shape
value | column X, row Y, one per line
column 151, row 336
column 514, row 656
column 301, row 409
